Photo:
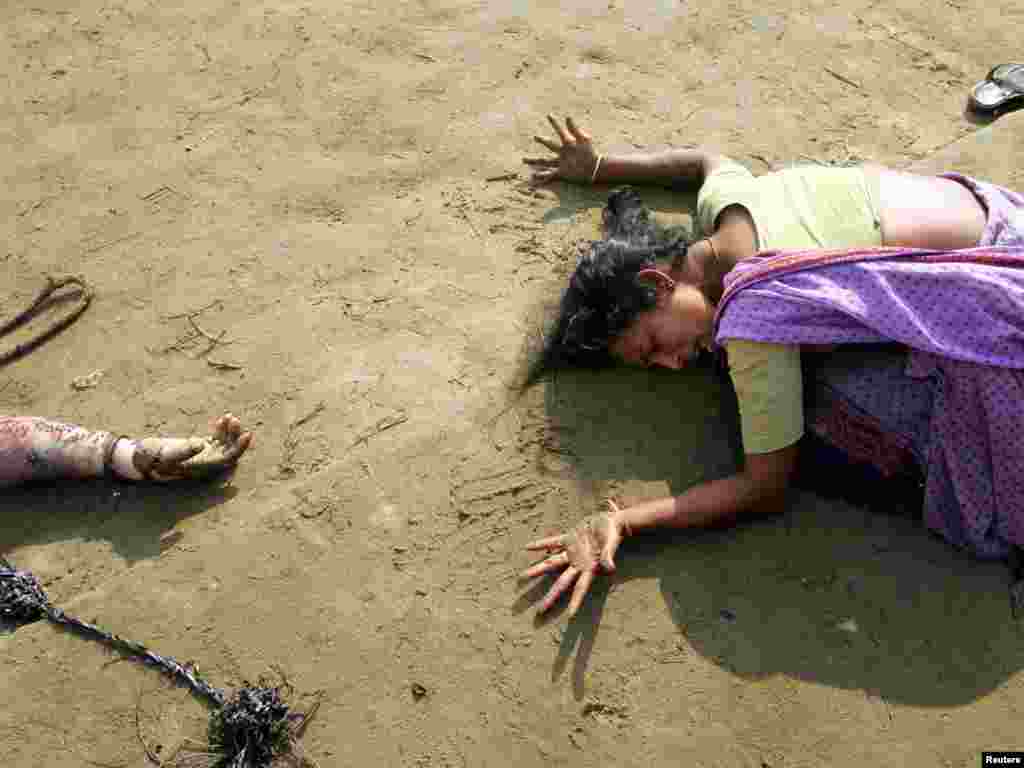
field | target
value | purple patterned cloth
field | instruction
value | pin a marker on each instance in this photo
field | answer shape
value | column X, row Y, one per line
column 956, row 399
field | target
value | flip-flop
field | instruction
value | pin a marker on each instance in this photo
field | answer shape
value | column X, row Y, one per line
column 1001, row 91
column 1012, row 74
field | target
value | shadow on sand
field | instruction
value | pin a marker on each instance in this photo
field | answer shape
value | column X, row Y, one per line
column 827, row 593
column 131, row 517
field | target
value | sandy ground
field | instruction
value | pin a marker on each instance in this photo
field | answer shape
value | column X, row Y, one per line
column 311, row 176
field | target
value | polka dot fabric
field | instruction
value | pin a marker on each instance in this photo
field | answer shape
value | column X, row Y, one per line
column 958, row 393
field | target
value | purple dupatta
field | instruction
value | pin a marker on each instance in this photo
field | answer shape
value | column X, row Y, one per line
column 960, row 314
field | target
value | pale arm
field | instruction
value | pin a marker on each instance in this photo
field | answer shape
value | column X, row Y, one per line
column 33, row 448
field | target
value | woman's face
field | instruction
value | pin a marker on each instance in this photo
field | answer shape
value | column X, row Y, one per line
column 670, row 334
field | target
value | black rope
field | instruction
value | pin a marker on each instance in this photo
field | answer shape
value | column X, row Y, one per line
column 179, row 672
column 250, row 729
column 52, row 286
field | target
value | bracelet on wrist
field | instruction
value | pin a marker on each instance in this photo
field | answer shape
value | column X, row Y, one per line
column 614, row 513
column 108, row 457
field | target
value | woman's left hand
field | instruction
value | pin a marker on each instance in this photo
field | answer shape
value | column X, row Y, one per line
column 576, row 159
column 590, row 547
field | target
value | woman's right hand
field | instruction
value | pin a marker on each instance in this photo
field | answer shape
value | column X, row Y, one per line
column 577, row 160
column 579, row 555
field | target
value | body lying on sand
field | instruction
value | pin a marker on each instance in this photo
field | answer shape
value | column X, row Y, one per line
column 920, row 276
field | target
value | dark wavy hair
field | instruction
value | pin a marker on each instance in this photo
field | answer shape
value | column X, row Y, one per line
column 604, row 295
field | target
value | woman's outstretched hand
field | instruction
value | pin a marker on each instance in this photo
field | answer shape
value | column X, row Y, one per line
column 577, row 160
column 590, row 547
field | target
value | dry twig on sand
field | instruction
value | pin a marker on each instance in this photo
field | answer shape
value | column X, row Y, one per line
column 197, row 333
column 382, row 425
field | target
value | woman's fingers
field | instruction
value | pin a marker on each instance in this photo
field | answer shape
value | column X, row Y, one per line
column 543, row 177
column 608, row 555
column 580, row 592
column 547, row 143
column 551, row 542
column 553, row 563
column 578, row 133
column 559, row 130
column 544, row 162
column 561, row 585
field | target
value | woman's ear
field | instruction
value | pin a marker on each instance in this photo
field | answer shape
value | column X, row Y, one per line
column 682, row 270
column 661, row 281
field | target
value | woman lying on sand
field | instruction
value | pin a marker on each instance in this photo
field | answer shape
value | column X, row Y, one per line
column 918, row 276
column 32, row 448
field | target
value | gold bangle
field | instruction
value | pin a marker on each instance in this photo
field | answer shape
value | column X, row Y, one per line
column 597, row 167
column 613, row 510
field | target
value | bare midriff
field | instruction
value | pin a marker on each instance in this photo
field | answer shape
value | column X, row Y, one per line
column 927, row 211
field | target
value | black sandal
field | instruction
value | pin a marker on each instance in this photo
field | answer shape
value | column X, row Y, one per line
column 1000, row 92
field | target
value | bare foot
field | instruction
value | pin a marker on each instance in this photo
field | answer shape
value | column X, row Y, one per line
column 163, row 459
